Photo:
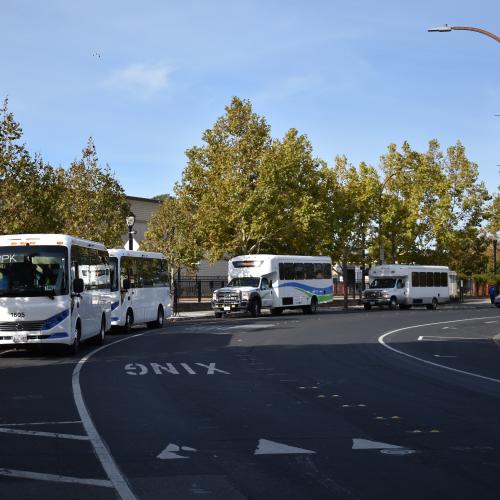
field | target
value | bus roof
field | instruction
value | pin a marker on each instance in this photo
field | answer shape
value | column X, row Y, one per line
column 47, row 239
column 121, row 252
column 290, row 258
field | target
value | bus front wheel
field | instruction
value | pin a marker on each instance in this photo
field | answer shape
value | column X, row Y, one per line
column 129, row 321
column 72, row 349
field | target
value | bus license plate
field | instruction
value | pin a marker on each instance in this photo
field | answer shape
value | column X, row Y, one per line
column 19, row 338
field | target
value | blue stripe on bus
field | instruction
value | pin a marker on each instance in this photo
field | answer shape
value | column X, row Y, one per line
column 114, row 305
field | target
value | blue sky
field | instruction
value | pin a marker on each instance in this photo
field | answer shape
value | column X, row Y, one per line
column 145, row 79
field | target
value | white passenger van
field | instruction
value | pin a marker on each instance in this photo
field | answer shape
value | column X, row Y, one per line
column 274, row 282
column 407, row 286
column 140, row 291
column 49, row 293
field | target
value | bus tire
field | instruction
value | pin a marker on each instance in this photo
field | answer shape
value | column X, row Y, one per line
column 254, row 308
column 433, row 305
column 314, row 305
column 99, row 338
column 393, row 303
column 72, row 349
column 160, row 319
column 129, row 321
column 276, row 311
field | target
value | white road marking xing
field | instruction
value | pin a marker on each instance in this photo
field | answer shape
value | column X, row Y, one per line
column 266, row 447
column 211, row 369
column 43, row 434
column 382, row 338
column 24, row 474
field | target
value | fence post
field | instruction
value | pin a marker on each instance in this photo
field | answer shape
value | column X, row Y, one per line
column 198, row 284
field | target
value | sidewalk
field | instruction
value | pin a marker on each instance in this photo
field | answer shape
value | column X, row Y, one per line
column 469, row 303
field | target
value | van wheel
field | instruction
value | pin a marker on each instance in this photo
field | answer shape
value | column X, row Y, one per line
column 254, row 308
column 433, row 304
column 393, row 303
column 129, row 321
column 72, row 349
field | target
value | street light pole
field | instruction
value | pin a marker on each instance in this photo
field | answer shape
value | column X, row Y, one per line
column 130, row 220
column 446, row 28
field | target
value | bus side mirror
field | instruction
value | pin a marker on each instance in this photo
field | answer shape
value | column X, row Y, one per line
column 78, row 285
column 126, row 284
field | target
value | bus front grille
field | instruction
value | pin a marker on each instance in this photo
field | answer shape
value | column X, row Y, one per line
column 21, row 326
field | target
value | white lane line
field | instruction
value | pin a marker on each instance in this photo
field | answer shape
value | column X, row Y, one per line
column 433, row 338
column 43, row 423
column 5, row 352
column 382, row 338
column 103, row 454
column 24, row 474
column 44, row 434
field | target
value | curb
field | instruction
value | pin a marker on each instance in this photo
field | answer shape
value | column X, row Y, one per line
column 209, row 313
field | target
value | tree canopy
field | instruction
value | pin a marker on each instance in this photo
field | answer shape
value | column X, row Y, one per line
column 84, row 200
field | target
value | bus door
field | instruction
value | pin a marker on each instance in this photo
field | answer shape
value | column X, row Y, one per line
column 266, row 293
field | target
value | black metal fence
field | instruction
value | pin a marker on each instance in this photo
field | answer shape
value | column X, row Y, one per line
column 197, row 289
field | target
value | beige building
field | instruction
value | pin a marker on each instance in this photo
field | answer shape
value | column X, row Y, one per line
column 143, row 209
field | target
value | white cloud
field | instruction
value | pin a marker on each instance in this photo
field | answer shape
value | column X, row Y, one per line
column 141, row 80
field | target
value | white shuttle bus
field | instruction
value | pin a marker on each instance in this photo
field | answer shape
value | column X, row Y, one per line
column 50, row 292
column 274, row 282
column 140, row 291
column 405, row 286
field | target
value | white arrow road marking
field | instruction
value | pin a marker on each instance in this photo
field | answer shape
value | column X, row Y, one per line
column 366, row 444
column 55, row 478
column 170, row 452
column 44, row 434
column 266, row 447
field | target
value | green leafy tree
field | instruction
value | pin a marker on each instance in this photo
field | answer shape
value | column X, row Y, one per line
column 28, row 188
column 171, row 232
column 349, row 198
column 248, row 193
column 93, row 204
column 432, row 206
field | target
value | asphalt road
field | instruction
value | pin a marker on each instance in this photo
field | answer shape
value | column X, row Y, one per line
column 358, row 405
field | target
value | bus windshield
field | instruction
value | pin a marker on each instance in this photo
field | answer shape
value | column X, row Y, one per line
column 33, row 271
column 236, row 282
column 383, row 283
